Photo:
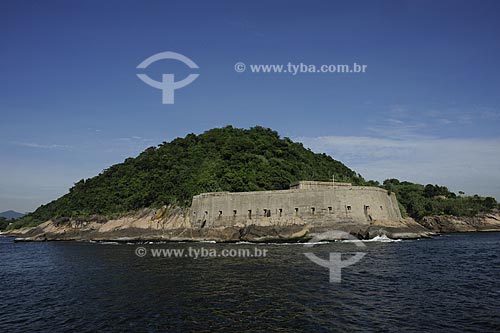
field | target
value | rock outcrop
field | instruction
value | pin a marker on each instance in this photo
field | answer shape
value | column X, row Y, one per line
column 173, row 224
column 447, row 223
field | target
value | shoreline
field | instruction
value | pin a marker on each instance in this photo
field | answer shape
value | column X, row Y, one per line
column 153, row 226
column 153, row 241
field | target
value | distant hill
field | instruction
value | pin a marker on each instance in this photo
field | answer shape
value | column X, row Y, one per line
column 10, row 214
column 220, row 159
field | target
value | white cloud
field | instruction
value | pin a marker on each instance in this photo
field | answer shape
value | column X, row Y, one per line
column 42, row 146
column 465, row 164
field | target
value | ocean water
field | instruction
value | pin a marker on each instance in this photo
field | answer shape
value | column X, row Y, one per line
column 445, row 284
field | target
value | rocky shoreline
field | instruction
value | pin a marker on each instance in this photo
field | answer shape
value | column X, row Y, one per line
column 172, row 224
column 448, row 223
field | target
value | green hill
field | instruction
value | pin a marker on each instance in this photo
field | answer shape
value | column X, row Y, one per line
column 221, row 159
column 231, row 159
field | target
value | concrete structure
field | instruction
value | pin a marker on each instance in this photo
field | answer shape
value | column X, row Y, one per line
column 317, row 203
column 312, row 185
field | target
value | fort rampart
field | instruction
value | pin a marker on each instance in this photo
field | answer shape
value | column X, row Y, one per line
column 317, row 203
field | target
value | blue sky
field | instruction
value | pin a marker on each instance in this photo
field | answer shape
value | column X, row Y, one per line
column 427, row 109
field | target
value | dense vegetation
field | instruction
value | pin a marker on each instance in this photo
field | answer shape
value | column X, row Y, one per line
column 4, row 223
column 418, row 200
column 230, row 159
column 221, row 159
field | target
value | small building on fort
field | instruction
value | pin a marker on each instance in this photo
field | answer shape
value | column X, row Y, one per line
column 317, row 203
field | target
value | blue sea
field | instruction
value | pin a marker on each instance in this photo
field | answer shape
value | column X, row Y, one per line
column 449, row 283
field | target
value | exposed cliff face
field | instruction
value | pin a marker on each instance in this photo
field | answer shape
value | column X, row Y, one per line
column 173, row 224
column 447, row 223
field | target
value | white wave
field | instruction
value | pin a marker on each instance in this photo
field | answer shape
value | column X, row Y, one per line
column 298, row 243
column 316, row 243
column 383, row 239
column 278, row 243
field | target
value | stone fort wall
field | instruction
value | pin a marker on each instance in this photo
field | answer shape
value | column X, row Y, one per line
column 314, row 185
column 317, row 205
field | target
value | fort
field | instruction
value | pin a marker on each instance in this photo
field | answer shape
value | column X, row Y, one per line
column 305, row 210
column 311, row 202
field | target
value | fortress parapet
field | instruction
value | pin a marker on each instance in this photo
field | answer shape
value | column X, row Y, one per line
column 314, row 185
column 317, row 203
